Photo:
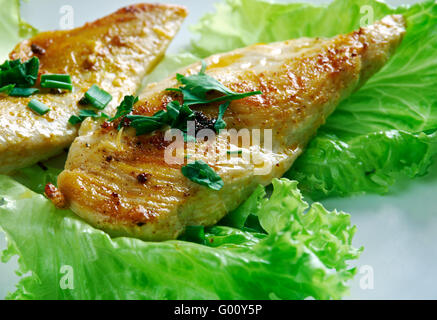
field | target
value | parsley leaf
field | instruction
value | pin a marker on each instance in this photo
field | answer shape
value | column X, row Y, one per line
column 83, row 114
column 7, row 89
column 125, row 107
column 220, row 123
column 179, row 115
column 145, row 124
column 176, row 116
column 201, row 173
column 23, row 75
column 196, row 87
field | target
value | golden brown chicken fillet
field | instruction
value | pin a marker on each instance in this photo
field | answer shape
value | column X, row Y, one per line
column 123, row 184
column 114, row 52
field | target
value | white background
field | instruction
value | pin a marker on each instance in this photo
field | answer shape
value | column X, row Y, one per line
column 398, row 230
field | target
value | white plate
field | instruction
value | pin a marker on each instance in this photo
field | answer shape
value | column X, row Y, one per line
column 397, row 230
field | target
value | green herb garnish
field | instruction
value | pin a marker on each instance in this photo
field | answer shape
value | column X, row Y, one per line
column 176, row 116
column 56, row 85
column 75, row 120
column 97, row 97
column 201, row 173
column 22, row 75
column 38, row 107
column 144, row 124
column 83, row 114
column 125, row 107
column 22, row 92
column 7, row 89
column 220, row 123
column 56, row 77
column 234, row 151
column 56, row 81
column 198, row 85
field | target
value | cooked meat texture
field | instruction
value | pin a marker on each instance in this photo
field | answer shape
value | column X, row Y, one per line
column 122, row 183
column 114, row 52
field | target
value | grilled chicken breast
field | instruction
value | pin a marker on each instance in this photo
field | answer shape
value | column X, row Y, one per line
column 114, row 52
column 122, row 183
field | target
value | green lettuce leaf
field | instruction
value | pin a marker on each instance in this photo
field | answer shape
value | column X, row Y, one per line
column 365, row 163
column 381, row 131
column 13, row 28
column 302, row 252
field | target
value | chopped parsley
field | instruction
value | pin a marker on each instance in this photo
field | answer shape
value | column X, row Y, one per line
column 195, row 87
column 22, row 75
column 194, row 90
column 125, row 107
column 7, row 89
column 144, row 125
column 220, row 123
column 83, row 114
column 201, row 173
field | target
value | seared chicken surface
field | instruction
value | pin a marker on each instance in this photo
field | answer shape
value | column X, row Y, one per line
column 114, row 52
column 121, row 182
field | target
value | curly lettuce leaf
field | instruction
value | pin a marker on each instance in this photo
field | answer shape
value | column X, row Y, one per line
column 300, row 253
column 365, row 163
column 240, row 23
column 13, row 28
column 381, row 131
